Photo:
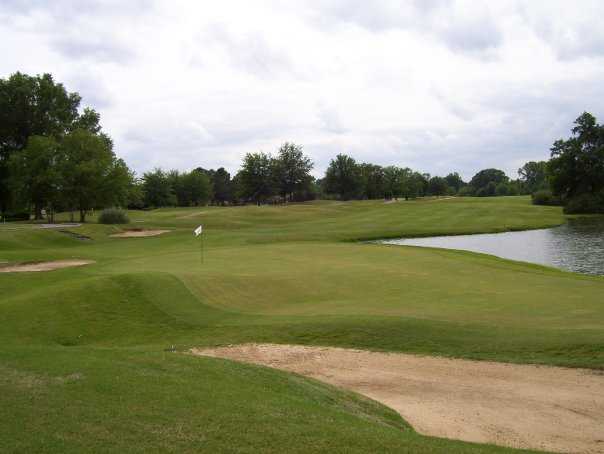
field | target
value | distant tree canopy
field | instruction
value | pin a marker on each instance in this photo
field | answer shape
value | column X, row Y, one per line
column 485, row 182
column 346, row 179
column 54, row 156
column 223, row 188
column 533, row 176
column 287, row 175
column 455, row 182
column 292, row 170
column 343, row 177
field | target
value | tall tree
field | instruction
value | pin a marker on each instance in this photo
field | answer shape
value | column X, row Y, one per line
column 343, row 177
column 454, row 181
column 394, row 182
column 198, row 187
column 292, row 170
column 373, row 180
column 92, row 175
column 533, row 176
column 577, row 164
column 31, row 106
column 437, row 186
column 34, row 174
column 221, row 183
column 256, row 177
column 485, row 182
column 157, row 189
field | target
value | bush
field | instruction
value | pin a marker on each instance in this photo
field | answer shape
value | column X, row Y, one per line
column 113, row 216
column 585, row 204
column 466, row 191
column 544, row 197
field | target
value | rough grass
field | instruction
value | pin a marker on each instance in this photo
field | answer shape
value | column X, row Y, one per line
column 82, row 350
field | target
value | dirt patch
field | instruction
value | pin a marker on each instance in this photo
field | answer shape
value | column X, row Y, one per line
column 75, row 235
column 520, row 406
column 60, row 226
column 43, row 266
column 138, row 233
column 192, row 215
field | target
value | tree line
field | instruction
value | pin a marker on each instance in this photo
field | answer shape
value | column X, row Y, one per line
column 56, row 157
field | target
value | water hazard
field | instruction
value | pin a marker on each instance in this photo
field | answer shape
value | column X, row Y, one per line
column 575, row 246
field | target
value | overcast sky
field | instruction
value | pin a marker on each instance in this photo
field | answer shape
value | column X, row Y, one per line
column 435, row 85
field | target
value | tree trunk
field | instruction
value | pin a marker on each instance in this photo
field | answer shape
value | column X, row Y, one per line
column 37, row 211
column 82, row 216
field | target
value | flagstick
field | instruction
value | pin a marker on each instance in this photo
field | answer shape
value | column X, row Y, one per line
column 201, row 235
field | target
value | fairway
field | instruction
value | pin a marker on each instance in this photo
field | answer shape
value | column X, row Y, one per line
column 94, row 344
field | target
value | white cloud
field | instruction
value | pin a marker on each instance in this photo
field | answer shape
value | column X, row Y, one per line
column 436, row 85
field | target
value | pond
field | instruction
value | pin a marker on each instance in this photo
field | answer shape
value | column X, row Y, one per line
column 575, row 246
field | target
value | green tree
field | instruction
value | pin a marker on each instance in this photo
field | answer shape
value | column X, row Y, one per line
column 393, row 182
column 197, row 187
column 136, row 195
column 157, row 189
column 533, row 176
column 91, row 175
column 221, row 183
column 502, row 189
column 373, row 180
column 577, row 164
column 485, row 182
column 34, row 174
column 291, row 171
column 256, row 177
column 31, row 106
column 415, row 184
column 343, row 178
column 437, row 186
column 454, row 181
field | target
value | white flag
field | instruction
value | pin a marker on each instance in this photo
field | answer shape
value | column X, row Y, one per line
column 198, row 230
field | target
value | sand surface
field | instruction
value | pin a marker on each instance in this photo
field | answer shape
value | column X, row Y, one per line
column 521, row 406
column 192, row 215
column 138, row 233
column 43, row 266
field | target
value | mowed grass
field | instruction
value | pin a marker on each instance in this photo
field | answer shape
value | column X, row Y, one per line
column 82, row 350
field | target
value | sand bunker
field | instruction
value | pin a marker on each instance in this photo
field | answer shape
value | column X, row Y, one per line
column 43, row 266
column 521, row 406
column 138, row 233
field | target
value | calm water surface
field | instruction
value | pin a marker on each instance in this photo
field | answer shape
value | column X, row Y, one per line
column 576, row 246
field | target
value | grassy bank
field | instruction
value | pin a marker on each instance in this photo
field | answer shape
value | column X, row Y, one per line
column 88, row 343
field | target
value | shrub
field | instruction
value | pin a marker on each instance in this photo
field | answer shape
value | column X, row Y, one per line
column 544, row 197
column 466, row 191
column 585, row 204
column 113, row 216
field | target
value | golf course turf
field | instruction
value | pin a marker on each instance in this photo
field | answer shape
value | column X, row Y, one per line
column 86, row 360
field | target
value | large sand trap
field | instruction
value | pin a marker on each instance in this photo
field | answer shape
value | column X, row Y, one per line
column 43, row 266
column 138, row 233
column 522, row 406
